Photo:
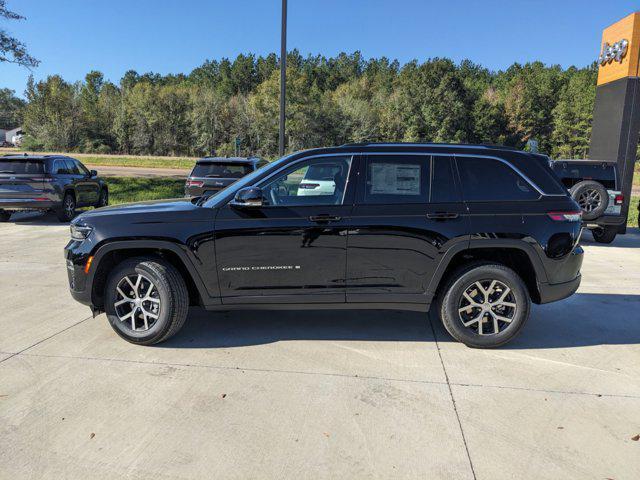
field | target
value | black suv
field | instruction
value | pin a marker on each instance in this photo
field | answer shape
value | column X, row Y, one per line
column 48, row 182
column 212, row 174
column 475, row 232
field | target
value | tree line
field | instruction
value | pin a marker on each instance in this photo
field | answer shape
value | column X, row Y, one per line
column 226, row 104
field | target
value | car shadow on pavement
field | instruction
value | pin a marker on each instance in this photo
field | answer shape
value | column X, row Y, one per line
column 629, row 240
column 582, row 320
column 37, row 219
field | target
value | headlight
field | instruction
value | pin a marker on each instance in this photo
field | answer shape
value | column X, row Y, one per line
column 79, row 232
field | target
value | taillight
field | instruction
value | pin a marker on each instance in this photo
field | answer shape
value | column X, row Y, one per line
column 618, row 200
column 574, row 216
column 308, row 186
column 195, row 183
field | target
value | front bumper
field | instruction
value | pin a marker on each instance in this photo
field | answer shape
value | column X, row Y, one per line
column 76, row 255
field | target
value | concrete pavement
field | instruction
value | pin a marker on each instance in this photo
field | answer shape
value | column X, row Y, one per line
column 346, row 394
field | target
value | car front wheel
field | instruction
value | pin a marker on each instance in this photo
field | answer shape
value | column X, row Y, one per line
column 4, row 216
column 484, row 305
column 146, row 300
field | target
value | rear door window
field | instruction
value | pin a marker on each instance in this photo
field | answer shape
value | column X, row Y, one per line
column 443, row 186
column 21, row 167
column 60, row 168
column 394, row 179
column 489, row 180
column 221, row 170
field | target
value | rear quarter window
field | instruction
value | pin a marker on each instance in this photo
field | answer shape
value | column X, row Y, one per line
column 489, row 180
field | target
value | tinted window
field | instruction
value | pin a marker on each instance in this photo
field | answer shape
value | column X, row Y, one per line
column 60, row 168
column 21, row 167
column 486, row 179
column 72, row 168
column 443, row 187
column 319, row 181
column 83, row 170
column 396, row 179
column 221, row 170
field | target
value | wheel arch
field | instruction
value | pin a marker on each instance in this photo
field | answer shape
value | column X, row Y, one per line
column 520, row 257
column 111, row 254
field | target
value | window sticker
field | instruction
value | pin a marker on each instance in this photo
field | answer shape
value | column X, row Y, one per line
column 395, row 179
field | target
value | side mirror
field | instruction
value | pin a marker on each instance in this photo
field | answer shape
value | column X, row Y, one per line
column 248, row 197
column 93, row 173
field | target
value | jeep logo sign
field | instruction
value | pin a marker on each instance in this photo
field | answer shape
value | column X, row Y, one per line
column 616, row 52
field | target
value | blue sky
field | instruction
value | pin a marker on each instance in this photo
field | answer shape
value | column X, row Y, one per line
column 72, row 37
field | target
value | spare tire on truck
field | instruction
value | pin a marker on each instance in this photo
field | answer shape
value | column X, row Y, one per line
column 592, row 197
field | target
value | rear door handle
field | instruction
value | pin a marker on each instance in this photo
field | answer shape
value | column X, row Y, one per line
column 324, row 218
column 442, row 215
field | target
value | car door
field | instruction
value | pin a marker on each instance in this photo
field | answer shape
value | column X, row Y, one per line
column 408, row 214
column 293, row 248
column 63, row 176
column 90, row 185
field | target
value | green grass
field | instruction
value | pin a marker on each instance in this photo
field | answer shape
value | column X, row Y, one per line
column 632, row 220
column 134, row 189
column 93, row 159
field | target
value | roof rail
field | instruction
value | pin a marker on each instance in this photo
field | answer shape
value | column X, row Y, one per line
column 431, row 144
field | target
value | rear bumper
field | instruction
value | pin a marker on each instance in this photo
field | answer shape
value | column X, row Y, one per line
column 552, row 292
column 563, row 277
column 27, row 204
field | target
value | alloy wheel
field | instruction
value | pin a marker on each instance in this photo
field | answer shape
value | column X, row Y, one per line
column 137, row 302
column 589, row 200
column 69, row 206
column 487, row 307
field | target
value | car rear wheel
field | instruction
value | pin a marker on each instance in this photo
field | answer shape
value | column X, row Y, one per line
column 4, row 216
column 146, row 300
column 604, row 234
column 592, row 198
column 68, row 209
column 484, row 305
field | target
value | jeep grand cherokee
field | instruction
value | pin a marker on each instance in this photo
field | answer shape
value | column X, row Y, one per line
column 475, row 232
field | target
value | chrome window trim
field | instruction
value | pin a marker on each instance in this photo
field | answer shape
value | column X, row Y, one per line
column 353, row 155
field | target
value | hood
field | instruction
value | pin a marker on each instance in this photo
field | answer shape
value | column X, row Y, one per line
column 148, row 209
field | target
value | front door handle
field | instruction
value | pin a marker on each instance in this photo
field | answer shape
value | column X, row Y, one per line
column 324, row 218
column 442, row 215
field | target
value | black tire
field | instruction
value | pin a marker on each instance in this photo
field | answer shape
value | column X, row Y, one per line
column 604, row 234
column 103, row 200
column 4, row 216
column 592, row 198
column 68, row 209
column 464, row 279
column 171, row 293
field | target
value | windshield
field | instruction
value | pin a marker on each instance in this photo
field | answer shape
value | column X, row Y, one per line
column 246, row 180
column 220, row 170
column 21, row 167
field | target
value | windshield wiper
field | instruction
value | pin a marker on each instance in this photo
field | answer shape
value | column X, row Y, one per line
column 7, row 171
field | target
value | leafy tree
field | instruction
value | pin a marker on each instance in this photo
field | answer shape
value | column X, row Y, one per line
column 13, row 50
column 11, row 109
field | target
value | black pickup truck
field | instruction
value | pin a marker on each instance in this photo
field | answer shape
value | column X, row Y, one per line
column 596, row 188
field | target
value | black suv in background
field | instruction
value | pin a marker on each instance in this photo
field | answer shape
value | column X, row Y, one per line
column 476, row 233
column 50, row 183
column 212, row 174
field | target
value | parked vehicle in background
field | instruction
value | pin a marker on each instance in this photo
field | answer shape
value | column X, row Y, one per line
column 50, row 183
column 475, row 232
column 595, row 187
column 212, row 174
column 322, row 179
